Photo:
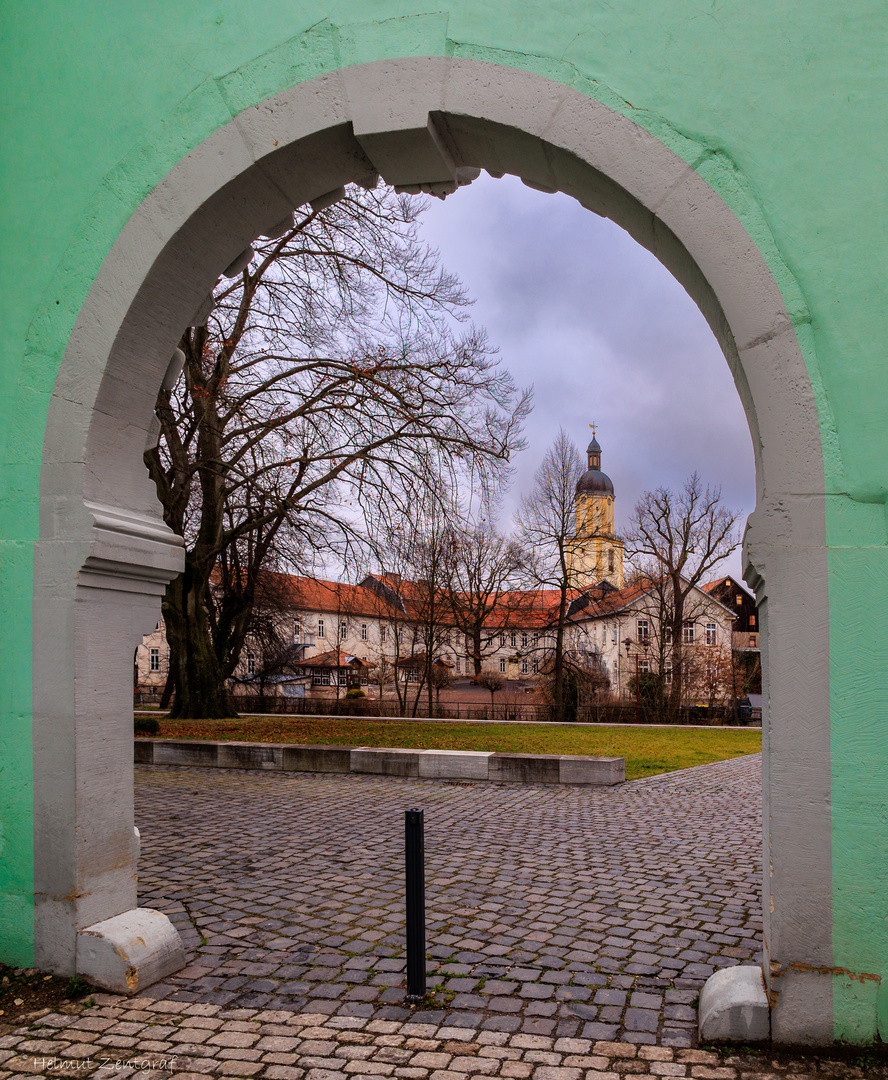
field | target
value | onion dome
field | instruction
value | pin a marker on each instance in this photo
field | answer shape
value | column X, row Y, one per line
column 594, row 481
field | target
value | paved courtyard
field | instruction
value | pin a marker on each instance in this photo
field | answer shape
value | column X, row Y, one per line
column 551, row 911
column 569, row 933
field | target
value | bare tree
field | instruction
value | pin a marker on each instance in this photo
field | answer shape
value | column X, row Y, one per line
column 399, row 635
column 585, row 682
column 675, row 542
column 420, row 546
column 484, row 576
column 546, row 522
column 440, row 679
column 332, row 375
column 492, row 681
column 709, row 675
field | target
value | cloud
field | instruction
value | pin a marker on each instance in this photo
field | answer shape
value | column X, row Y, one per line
column 605, row 334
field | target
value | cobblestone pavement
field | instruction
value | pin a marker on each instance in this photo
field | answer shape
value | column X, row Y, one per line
column 120, row 1038
column 551, row 911
column 568, row 933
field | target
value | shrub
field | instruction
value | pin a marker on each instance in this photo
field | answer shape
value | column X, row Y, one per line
column 146, row 725
column 355, row 692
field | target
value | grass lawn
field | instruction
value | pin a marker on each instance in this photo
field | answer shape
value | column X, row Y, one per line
column 647, row 750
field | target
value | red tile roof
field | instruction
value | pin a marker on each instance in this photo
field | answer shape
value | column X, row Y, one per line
column 334, row 658
column 530, row 609
column 332, row 597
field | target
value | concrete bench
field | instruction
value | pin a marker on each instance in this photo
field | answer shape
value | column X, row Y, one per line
column 385, row 761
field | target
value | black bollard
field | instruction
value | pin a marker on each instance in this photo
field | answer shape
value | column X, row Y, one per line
column 414, row 855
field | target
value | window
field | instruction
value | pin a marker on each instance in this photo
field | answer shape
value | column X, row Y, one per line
column 446, row 637
column 610, row 559
column 400, row 635
column 524, row 667
column 321, row 630
column 513, row 639
column 753, row 641
column 343, row 631
column 616, row 669
column 739, row 600
column 667, row 673
column 667, row 635
column 320, row 677
column 458, row 665
column 644, row 667
column 687, row 631
column 297, row 632
column 383, row 634
column 154, row 659
column 536, row 667
column 644, row 630
column 524, row 640
column 502, row 640
column 752, row 620
column 343, row 678
column 251, row 664
column 536, row 640
column 363, row 631
column 502, row 667
column 710, row 633
column 412, row 675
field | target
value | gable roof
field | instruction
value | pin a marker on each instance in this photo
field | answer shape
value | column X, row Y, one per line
column 390, row 596
column 598, row 603
column 334, row 658
column 332, row 597
column 711, row 586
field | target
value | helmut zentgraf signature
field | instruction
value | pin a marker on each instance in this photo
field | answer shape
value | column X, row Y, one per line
column 74, row 1065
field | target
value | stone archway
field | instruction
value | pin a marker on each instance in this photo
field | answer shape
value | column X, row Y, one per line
column 104, row 555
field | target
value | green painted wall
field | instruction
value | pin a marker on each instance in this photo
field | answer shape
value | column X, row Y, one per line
column 101, row 99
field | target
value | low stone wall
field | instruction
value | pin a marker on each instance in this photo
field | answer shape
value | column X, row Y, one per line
column 382, row 761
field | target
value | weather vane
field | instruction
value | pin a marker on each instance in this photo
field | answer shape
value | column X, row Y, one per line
column 593, row 430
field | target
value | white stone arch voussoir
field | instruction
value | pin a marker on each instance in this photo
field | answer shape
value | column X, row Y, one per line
column 104, row 554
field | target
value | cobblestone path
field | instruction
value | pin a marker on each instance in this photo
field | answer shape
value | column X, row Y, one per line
column 119, row 1039
column 569, row 932
column 559, row 912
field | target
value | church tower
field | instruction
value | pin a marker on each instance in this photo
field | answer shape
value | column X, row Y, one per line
column 595, row 553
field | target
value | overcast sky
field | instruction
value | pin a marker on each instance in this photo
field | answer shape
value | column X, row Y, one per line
column 604, row 333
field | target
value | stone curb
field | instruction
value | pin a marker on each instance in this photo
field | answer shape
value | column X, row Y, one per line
column 385, row 761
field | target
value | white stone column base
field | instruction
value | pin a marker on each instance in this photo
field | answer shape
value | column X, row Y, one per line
column 129, row 952
column 734, row 1007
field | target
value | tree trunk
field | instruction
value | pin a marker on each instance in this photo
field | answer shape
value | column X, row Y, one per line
column 677, row 688
column 201, row 692
column 476, row 650
column 558, row 666
column 170, row 684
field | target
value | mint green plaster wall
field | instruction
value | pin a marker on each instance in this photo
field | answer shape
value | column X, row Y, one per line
column 785, row 116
